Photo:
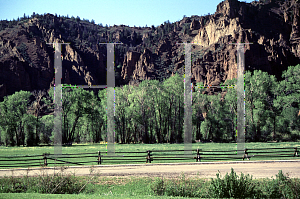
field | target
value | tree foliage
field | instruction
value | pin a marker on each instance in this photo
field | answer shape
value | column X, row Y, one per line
column 153, row 112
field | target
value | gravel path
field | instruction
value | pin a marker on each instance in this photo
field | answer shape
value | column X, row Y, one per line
column 259, row 169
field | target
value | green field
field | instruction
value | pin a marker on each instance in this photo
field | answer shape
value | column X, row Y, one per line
column 208, row 149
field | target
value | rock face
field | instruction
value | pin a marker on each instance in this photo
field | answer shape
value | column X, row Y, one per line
column 261, row 24
column 195, row 25
column 129, row 64
column 274, row 35
column 23, row 66
column 144, row 66
column 26, row 61
column 138, row 66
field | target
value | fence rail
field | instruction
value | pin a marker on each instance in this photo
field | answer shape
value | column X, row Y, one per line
column 99, row 157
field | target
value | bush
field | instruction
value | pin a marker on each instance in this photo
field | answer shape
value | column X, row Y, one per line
column 270, row 189
column 56, row 184
column 182, row 187
column 281, row 187
column 158, row 186
column 233, row 186
column 286, row 187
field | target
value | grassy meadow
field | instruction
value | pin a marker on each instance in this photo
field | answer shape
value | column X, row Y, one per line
column 208, row 149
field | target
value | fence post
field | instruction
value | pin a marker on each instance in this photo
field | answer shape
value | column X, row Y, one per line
column 45, row 159
column 296, row 152
column 99, row 157
column 149, row 157
column 246, row 154
column 198, row 158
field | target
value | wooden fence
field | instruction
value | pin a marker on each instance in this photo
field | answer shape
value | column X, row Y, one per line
column 149, row 156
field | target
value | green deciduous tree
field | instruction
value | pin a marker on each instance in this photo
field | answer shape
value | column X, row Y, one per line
column 257, row 90
column 14, row 117
column 288, row 101
column 174, row 93
column 76, row 102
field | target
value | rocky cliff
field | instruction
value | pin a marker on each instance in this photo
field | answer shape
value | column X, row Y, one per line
column 26, row 61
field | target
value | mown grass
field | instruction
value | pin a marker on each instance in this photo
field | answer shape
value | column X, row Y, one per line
column 7, row 153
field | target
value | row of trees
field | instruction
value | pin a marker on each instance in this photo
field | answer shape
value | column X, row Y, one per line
column 154, row 112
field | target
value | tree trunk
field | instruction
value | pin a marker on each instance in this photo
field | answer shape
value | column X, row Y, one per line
column 156, row 126
column 178, row 126
column 65, row 132
column 274, row 134
column 174, row 122
column 36, row 131
column 17, row 137
column 135, row 137
column 160, row 126
column 232, row 130
column 123, row 130
column 71, row 135
column 258, row 133
column 170, row 133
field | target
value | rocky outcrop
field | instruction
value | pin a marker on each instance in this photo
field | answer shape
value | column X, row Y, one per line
column 144, row 67
column 234, row 22
column 195, row 25
column 23, row 65
column 295, row 34
column 26, row 61
column 129, row 64
column 215, row 29
column 163, row 46
column 139, row 66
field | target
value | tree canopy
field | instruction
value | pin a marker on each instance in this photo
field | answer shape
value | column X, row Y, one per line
column 153, row 112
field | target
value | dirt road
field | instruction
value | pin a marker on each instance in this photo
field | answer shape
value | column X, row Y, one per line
column 259, row 169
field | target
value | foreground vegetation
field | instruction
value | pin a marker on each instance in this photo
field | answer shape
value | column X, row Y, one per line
column 230, row 186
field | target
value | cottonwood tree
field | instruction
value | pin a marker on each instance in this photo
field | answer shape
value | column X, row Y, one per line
column 174, row 90
column 76, row 102
column 46, row 128
column 213, row 123
column 36, row 109
column 231, row 106
column 138, row 109
column 29, row 130
column 13, row 117
column 96, row 120
column 257, row 87
column 198, row 108
column 288, row 100
column 158, row 104
column 122, row 119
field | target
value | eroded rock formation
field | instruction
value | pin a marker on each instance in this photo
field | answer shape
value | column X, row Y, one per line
column 26, row 61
